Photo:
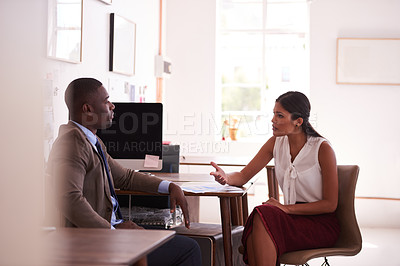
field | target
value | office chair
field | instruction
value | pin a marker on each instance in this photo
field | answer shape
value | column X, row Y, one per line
column 349, row 242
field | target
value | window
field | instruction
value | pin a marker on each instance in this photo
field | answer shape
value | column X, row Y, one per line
column 262, row 52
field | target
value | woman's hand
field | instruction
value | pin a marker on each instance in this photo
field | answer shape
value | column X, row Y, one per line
column 274, row 202
column 219, row 174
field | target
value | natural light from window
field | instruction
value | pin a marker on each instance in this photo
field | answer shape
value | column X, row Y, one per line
column 262, row 52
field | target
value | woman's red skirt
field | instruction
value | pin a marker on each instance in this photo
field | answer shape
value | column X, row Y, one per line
column 293, row 232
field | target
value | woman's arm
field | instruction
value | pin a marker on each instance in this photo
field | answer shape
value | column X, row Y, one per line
column 327, row 162
column 259, row 161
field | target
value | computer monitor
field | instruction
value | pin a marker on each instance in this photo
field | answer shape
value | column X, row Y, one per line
column 135, row 136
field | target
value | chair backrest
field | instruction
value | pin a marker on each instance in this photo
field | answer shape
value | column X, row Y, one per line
column 350, row 236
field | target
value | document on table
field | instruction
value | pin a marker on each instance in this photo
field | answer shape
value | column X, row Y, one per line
column 198, row 187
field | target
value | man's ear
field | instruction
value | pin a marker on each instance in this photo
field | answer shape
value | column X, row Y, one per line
column 86, row 108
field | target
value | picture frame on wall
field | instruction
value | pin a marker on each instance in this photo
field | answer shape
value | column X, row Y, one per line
column 109, row 2
column 368, row 61
column 64, row 31
column 122, row 45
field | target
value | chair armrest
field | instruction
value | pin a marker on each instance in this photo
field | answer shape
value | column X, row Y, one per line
column 273, row 190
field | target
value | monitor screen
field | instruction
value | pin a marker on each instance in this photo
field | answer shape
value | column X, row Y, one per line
column 135, row 136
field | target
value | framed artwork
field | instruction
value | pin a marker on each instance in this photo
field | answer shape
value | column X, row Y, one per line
column 64, row 32
column 109, row 2
column 122, row 45
column 368, row 61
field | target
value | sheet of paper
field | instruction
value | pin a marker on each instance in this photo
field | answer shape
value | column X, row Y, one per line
column 151, row 161
column 198, row 187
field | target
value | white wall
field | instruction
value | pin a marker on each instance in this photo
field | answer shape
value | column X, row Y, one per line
column 95, row 61
column 189, row 92
column 359, row 120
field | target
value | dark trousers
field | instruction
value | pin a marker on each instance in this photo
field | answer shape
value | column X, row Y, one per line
column 180, row 250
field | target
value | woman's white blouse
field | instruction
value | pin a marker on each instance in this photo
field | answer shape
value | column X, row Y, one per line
column 300, row 180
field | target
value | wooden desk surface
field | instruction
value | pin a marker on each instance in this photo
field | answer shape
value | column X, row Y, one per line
column 204, row 185
column 185, row 177
column 72, row 246
column 221, row 161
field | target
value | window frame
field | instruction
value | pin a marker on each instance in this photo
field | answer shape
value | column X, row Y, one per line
column 264, row 31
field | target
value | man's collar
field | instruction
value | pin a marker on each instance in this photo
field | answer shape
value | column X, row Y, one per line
column 89, row 134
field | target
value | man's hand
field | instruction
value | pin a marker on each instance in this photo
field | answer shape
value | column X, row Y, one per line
column 128, row 225
column 178, row 198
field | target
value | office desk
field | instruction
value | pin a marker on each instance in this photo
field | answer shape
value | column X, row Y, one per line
column 233, row 203
column 221, row 161
column 82, row 246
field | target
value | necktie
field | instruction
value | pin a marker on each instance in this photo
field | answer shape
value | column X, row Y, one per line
column 100, row 151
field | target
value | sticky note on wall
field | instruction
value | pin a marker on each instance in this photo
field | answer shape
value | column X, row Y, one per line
column 151, row 161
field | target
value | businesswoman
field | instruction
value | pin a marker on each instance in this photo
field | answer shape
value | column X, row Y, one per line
column 305, row 166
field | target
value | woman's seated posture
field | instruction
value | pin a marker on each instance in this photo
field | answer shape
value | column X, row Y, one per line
column 305, row 166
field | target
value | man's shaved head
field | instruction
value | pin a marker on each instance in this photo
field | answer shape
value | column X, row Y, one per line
column 79, row 92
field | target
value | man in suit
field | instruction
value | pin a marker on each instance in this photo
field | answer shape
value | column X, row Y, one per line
column 85, row 174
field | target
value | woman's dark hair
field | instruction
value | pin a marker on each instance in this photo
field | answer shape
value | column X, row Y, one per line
column 298, row 105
